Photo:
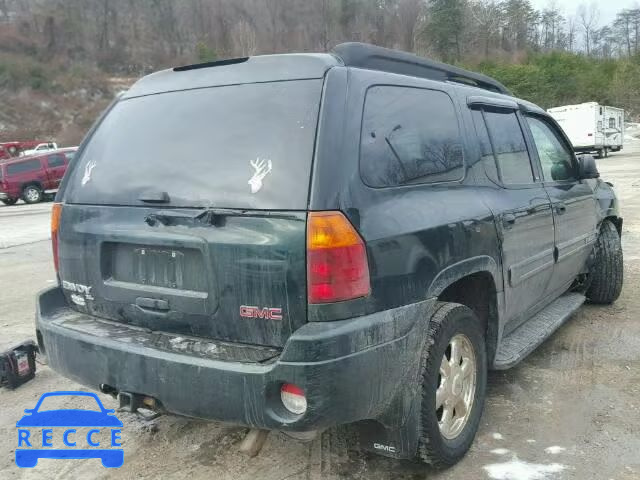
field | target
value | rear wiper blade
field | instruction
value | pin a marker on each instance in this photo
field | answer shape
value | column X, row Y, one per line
column 154, row 196
column 166, row 217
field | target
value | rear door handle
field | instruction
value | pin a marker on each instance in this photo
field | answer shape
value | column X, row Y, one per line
column 561, row 208
column 508, row 219
column 154, row 304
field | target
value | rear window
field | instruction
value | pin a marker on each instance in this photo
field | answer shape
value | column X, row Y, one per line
column 23, row 167
column 240, row 146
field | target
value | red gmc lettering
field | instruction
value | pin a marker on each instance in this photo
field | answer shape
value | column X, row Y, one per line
column 247, row 311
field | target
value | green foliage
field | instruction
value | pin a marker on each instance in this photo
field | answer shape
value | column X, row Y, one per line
column 561, row 78
column 204, row 53
column 444, row 26
column 21, row 72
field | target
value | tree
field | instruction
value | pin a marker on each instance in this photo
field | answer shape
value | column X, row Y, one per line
column 446, row 27
column 588, row 17
column 488, row 17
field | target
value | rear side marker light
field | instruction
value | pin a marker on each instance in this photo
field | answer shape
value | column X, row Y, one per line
column 56, row 212
column 337, row 266
column 293, row 398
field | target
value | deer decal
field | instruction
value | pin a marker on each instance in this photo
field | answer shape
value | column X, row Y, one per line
column 262, row 169
column 87, row 172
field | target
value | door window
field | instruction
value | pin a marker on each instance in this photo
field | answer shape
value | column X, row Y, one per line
column 612, row 122
column 555, row 157
column 409, row 136
column 509, row 147
column 56, row 160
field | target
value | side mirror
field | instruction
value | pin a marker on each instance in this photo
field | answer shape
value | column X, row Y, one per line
column 587, row 167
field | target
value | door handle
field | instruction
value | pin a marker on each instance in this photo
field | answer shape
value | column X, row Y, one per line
column 561, row 208
column 508, row 220
column 152, row 304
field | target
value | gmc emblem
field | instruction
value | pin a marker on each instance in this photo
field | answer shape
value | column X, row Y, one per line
column 247, row 311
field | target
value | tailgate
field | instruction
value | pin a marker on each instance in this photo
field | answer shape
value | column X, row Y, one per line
column 234, row 276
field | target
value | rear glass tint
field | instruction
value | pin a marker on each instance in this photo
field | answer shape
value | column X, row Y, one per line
column 240, row 146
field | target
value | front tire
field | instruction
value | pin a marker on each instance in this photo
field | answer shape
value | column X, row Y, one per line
column 606, row 276
column 454, row 384
column 32, row 194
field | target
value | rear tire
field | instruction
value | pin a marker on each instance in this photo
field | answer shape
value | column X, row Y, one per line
column 10, row 201
column 446, row 384
column 606, row 275
column 32, row 194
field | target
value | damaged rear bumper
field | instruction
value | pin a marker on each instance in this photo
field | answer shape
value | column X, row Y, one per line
column 350, row 370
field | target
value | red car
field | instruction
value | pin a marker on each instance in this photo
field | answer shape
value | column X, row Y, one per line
column 31, row 178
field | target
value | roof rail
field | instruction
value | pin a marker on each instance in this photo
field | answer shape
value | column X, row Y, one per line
column 372, row 57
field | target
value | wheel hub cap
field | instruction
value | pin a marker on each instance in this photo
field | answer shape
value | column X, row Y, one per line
column 456, row 386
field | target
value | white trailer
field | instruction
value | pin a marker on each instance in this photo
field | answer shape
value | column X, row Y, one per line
column 592, row 128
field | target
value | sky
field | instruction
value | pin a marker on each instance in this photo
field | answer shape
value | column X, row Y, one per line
column 608, row 8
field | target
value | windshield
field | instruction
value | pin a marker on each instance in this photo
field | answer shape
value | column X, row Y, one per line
column 240, row 146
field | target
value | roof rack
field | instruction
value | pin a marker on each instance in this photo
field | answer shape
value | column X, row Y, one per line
column 372, row 57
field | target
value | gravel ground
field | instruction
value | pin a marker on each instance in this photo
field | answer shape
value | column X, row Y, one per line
column 569, row 411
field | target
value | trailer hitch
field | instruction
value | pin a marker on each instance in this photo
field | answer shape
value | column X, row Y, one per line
column 147, row 407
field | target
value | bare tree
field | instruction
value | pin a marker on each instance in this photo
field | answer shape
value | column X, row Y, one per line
column 409, row 12
column 588, row 17
column 244, row 37
column 488, row 17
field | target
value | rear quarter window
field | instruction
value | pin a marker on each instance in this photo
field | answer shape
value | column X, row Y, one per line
column 409, row 136
column 23, row 167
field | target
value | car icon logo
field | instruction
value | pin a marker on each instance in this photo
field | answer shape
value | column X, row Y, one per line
column 59, row 433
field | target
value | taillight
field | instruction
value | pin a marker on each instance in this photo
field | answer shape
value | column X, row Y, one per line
column 56, row 212
column 293, row 398
column 337, row 267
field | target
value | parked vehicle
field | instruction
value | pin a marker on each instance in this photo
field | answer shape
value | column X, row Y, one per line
column 370, row 234
column 592, row 128
column 15, row 149
column 41, row 148
column 31, row 178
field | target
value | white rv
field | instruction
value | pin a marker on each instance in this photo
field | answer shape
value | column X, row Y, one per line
column 592, row 128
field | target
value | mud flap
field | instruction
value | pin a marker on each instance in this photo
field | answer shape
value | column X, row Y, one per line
column 399, row 441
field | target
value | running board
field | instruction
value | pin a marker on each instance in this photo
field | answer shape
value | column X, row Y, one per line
column 527, row 337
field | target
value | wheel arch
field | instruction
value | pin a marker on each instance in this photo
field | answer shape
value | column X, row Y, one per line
column 617, row 222
column 475, row 283
column 29, row 183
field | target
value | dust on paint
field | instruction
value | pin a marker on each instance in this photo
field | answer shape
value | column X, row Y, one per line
column 516, row 469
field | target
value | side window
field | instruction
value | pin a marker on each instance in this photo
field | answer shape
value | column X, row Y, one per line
column 56, row 160
column 69, row 155
column 509, row 147
column 409, row 136
column 555, row 157
column 23, row 167
column 612, row 122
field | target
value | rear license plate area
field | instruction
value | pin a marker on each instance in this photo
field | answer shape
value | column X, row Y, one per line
column 155, row 266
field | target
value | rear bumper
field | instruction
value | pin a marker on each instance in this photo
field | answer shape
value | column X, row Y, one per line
column 350, row 370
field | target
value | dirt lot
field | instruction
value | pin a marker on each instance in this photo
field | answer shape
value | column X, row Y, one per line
column 570, row 411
